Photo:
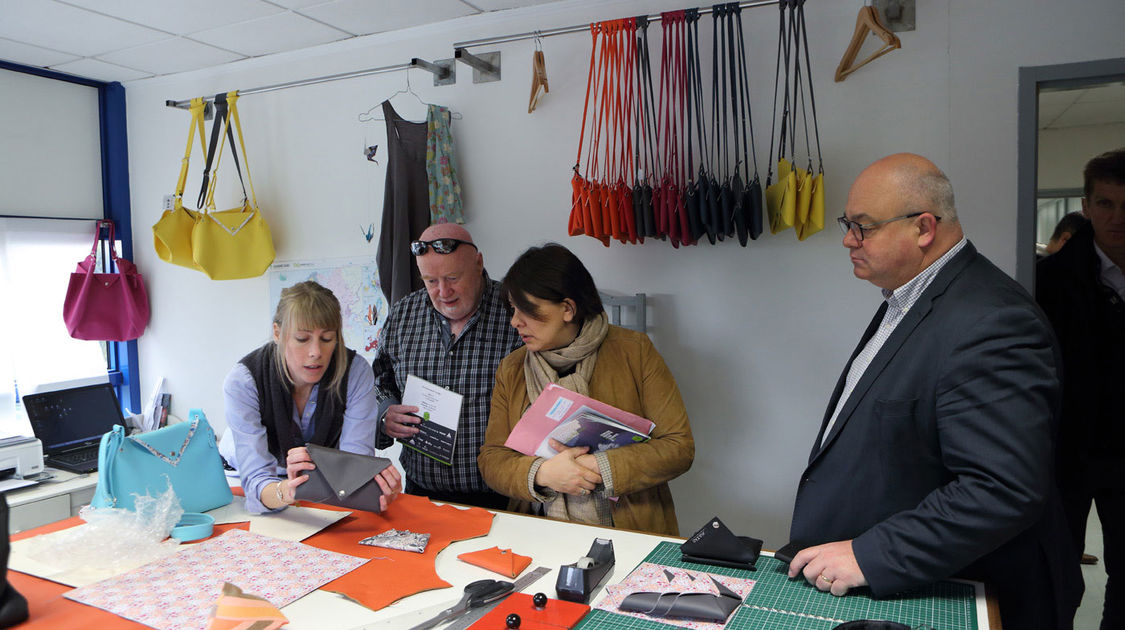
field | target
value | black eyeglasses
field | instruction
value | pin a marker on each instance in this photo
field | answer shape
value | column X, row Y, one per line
column 439, row 245
column 847, row 225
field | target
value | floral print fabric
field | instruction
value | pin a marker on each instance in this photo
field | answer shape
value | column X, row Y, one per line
column 441, row 168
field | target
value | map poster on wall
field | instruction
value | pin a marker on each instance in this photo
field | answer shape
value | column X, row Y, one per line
column 354, row 281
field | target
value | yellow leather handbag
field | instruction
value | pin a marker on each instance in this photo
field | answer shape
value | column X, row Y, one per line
column 171, row 235
column 814, row 220
column 236, row 243
column 781, row 198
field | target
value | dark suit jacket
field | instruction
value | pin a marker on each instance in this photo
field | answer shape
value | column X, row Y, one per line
column 940, row 462
column 1089, row 320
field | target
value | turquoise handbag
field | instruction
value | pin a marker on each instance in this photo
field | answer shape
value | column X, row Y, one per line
column 183, row 454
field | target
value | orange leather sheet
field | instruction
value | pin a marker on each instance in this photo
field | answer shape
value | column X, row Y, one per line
column 376, row 584
column 393, row 574
column 556, row 615
column 502, row 561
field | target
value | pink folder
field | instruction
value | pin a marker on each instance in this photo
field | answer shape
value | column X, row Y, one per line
column 556, row 404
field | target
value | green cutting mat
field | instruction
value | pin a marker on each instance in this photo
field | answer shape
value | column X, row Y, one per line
column 778, row 603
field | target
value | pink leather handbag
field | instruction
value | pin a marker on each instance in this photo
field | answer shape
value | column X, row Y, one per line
column 106, row 306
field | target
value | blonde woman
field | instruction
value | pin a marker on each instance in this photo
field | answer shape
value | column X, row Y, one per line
column 302, row 387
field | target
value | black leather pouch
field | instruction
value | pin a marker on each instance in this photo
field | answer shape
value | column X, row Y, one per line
column 715, row 544
column 343, row 479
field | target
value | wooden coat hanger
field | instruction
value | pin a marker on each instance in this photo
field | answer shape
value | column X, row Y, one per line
column 539, row 85
column 866, row 22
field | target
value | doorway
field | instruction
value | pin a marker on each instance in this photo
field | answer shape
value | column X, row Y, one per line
column 1067, row 114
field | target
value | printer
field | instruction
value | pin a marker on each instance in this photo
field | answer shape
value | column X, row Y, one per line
column 20, row 457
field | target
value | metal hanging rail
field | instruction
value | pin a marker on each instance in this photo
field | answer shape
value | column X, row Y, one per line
column 443, row 69
column 581, row 28
column 439, row 72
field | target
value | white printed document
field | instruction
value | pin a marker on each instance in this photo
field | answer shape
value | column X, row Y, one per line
column 440, row 411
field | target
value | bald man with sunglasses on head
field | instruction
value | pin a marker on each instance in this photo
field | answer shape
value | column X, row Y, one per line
column 452, row 333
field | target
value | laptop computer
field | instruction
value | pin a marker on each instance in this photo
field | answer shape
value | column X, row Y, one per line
column 70, row 424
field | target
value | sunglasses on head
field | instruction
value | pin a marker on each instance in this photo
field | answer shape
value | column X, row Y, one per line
column 439, row 245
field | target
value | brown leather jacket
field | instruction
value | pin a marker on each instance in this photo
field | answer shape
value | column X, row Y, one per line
column 631, row 375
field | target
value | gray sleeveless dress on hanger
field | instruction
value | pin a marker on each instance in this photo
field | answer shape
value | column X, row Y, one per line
column 406, row 205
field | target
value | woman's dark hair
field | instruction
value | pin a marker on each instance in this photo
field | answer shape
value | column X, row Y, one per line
column 553, row 273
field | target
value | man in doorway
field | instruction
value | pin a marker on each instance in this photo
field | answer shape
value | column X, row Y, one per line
column 1064, row 229
column 452, row 333
column 1082, row 290
column 934, row 457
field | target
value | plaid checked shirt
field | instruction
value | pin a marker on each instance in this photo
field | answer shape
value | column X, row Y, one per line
column 417, row 340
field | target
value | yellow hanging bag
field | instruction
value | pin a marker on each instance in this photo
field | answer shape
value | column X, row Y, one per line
column 236, row 243
column 171, row 234
column 815, row 219
column 781, row 198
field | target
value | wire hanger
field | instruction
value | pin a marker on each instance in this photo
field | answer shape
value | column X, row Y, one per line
column 866, row 22
column 539, row 85
column 368, row 117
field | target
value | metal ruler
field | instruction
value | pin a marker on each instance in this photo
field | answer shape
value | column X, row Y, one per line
column 471, row 617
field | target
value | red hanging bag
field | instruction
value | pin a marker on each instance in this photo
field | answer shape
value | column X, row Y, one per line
column 106, row 306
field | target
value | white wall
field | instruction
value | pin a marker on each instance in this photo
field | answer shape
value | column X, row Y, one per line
column 756, row 337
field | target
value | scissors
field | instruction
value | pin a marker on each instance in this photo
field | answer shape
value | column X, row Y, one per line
column 477, row 594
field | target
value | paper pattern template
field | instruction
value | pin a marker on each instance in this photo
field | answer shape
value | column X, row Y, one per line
column 177, row 592
column 295, row 522
column 653, row 578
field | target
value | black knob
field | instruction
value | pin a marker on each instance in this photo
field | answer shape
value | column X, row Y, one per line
column 513, row 621
column 539, row 599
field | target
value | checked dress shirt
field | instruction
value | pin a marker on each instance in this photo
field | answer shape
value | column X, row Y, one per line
column 417, row 340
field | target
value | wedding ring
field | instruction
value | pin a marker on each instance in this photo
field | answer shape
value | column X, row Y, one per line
column 826, row 580
column 583, row 492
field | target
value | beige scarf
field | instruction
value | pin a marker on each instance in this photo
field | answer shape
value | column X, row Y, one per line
column 542, row 368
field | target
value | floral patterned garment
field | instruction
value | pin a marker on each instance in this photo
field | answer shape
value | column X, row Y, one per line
column 441, row 168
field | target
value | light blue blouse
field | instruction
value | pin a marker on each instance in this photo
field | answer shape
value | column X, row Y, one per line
column 256, row 467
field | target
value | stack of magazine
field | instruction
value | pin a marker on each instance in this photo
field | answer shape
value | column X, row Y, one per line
column 587, row 427
column 575, row 420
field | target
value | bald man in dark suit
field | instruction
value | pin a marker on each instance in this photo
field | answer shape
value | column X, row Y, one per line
column 934, row 458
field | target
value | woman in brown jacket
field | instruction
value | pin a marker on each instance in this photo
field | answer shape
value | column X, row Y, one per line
column 568, row 340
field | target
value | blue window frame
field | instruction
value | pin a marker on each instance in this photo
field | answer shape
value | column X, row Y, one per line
column 122, row 363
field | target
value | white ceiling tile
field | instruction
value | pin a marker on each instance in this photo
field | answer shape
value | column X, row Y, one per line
column 297, row 4
column 179, row 17
column 363, row 17
column 57, row 26
column 1097, row 113
column 30, row 55
column 500, row 5
column 170, row 56
column 100, row 70
column 276, row 33
column 1108, row 92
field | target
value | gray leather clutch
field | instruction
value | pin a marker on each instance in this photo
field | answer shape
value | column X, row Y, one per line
column 343, row 479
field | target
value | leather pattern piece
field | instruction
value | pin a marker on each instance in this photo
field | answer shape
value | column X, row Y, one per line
column 502, row 561
column 391, row 574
